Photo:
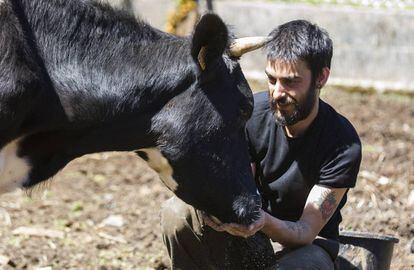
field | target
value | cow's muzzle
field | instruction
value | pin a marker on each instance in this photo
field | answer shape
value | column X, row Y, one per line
column 247, row 208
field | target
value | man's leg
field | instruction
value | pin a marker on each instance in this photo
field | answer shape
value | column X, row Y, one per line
column 182, row 235
column 192, row 246
column 310, row 257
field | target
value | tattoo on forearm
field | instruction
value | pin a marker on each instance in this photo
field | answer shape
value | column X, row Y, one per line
column 328, row 204
column 298, row 228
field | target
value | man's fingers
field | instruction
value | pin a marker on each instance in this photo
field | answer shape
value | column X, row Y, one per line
column 208, row 221
column 241, row 228
column 235, row 232
column 231, row 228
column 211, row 223
column 238, row 230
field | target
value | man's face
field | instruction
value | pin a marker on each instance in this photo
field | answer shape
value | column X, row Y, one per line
column 292, row 91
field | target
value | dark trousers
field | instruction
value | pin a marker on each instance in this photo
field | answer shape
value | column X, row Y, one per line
column 192, row 246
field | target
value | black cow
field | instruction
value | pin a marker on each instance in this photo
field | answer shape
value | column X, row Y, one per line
column 77, row 77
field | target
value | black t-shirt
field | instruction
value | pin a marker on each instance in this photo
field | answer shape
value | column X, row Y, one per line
column 328, row 154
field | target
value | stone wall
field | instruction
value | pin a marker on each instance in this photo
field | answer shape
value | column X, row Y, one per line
column 373, row 48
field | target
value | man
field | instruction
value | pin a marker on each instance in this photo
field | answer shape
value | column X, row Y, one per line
column 305, row 157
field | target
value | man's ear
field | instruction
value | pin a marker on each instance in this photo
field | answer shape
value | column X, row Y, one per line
column 209, row 40
column 323, row 77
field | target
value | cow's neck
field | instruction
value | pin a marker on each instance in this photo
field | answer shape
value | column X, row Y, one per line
column 110, row 73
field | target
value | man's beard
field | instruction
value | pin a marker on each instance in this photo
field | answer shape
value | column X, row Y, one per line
column 300, row 110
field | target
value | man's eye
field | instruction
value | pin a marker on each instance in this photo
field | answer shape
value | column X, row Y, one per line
column 290, row 82
column 272, row 80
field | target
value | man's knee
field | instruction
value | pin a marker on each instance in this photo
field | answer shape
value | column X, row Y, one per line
column 307, row 257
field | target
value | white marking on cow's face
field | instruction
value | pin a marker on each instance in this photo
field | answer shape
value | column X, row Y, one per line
column 160, row 165
column 13, row 169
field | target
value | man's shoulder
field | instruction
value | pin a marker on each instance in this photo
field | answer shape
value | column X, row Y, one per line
column 337, row 126
column 340, row 149
column 261, row 101
column 339, row 142
column 261, row 121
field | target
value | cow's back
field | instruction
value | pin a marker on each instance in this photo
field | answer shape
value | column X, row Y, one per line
column 99, row 59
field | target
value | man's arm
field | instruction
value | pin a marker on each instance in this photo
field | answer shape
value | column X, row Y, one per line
column 320, row 206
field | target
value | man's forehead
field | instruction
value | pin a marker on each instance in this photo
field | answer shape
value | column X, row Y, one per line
column 282, row 68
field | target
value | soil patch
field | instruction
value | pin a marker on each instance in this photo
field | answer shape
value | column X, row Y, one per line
column 102, row 210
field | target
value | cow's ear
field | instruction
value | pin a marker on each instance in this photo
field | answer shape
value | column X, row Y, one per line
column 209, row 40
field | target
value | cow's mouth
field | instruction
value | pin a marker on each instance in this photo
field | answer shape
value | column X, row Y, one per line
column 247, row 209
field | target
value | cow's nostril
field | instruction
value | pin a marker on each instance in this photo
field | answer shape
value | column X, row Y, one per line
column 247, row 208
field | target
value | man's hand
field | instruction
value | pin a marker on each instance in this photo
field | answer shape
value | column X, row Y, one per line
column 237, row 229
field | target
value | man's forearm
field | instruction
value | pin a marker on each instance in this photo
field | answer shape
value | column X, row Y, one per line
column 287, row 233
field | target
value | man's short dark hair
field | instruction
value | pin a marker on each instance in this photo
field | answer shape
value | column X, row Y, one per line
column 301, row 40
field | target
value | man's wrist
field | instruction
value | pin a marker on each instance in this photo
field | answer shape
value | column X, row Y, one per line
column 271, row 227
column 267, row 223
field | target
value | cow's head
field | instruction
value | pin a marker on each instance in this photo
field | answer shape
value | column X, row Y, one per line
column 201, row 149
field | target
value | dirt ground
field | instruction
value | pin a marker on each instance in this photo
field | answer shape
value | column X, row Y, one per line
column 102, row 211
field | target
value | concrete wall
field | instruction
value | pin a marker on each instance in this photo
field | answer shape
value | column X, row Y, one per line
column 372, row 48
column 152, row 11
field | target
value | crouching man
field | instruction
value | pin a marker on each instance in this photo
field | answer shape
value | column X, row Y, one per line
column 305, row 157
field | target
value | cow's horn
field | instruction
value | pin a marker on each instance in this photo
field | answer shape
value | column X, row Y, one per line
column 243, row 45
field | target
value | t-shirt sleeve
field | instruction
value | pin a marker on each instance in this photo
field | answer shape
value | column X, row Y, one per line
column 341, row 169
column 256, row 126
